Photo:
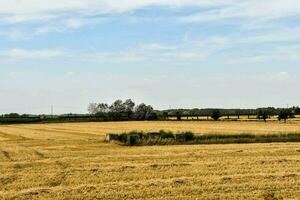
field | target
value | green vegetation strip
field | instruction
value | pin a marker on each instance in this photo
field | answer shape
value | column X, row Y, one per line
column 138, row 138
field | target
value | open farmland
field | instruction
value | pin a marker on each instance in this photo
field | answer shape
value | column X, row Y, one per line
column 70, row 161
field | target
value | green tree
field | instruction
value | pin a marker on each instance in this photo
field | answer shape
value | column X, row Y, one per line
column 165, row 115
column 144, row 112
column 178, row 115
column 262, row 113
column 216, row 114
column 129, row 107
column 102, row 108
column 117, row 107
column 284, row 114
column 296, row 110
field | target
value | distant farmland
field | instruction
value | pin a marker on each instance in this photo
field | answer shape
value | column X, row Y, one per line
column 99, row 129
column 69, row 161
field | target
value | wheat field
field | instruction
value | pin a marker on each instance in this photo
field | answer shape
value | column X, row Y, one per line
column 71, row 161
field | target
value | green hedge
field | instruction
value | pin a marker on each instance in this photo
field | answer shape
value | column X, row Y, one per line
column 139, row 138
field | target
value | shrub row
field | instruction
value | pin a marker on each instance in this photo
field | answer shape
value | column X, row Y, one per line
column 247, row 138
column 139, row 138
column 162, row 137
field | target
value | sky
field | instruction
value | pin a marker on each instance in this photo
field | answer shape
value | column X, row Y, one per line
column 167, row 53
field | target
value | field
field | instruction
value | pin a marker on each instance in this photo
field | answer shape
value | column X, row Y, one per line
column 70, row 161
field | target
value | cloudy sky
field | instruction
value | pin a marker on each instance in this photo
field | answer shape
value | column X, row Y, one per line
column 167, row 53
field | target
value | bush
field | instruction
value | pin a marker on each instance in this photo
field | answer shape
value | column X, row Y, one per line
column 166, row 135
column 139, row 134
column 189, row 136
column 132, row 140
column 123, row 137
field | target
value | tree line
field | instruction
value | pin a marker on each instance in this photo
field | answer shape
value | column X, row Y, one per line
column 128, row 110
column 122, row 110
column 230, row 111
column 261, row 113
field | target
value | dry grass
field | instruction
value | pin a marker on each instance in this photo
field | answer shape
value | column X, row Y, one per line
column 69, row 161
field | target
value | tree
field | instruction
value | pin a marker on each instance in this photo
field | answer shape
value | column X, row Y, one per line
column 216, row 114
column 12, row 115
column 284, row 114
column 194, row 112
column 178, row 115
column 263, row 113
column 102, row 111
column 117, row 107
column 103, row 108
column 165, row 115
column 117, row 111
column 93, row 108
column 129, row 107
column 296, row 110
column 144, row 112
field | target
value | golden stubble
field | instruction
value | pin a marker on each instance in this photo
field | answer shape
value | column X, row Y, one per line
column 70, row 161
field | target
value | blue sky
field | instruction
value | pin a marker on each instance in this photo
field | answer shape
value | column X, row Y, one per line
column 167, row 53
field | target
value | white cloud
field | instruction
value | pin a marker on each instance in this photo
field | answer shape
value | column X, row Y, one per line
column 156, row 47
column 24, row 17
column 282, row 53
column 27, row 10
column 37, row 6
column 23, row 54
column 273, row 35
column 186, row 52
column 112, row 57
column 14, row 34
column 248, row 9
column 73, row 23
column 48, row 29
column 64, row 26
column 55, row 16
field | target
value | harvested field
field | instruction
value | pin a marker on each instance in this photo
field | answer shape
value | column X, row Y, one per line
column 86, row 130
column 70, row 161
